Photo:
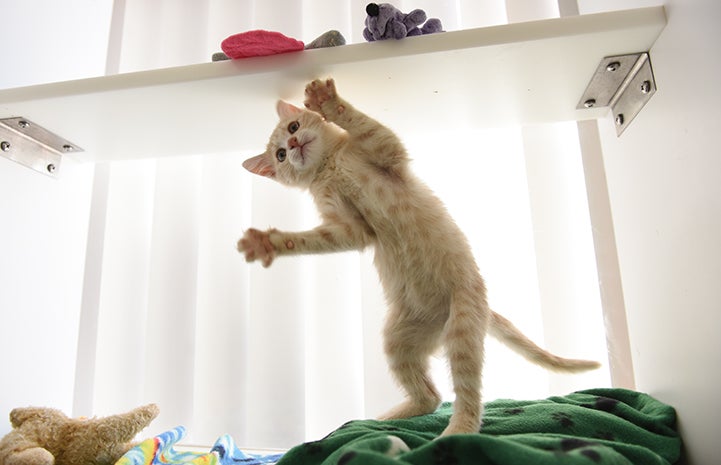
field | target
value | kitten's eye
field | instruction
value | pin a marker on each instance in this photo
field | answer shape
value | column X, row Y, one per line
column 294, row 126
column 280, row 155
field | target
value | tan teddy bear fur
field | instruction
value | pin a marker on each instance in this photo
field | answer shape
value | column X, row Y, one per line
column 45, row 436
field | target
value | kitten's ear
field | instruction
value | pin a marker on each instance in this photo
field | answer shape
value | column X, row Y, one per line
column 260, row 165
column 286, row 110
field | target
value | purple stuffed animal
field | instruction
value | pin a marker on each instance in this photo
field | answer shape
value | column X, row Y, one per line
column 384, row 21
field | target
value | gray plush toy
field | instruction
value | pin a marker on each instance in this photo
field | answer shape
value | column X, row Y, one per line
column 384, row 21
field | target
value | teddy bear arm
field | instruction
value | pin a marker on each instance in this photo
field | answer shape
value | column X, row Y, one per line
column 98, row 441
column 124, row 426
column 102, row 441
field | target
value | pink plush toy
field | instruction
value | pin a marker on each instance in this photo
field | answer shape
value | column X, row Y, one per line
column 259, row 43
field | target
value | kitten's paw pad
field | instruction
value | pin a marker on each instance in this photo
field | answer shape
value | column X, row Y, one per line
column 318, row 93
column 256, row 245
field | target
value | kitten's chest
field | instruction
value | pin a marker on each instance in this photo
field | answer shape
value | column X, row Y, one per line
column 374, row 190
column 385, row 199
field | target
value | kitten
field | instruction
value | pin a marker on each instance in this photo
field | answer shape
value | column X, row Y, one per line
column 358, row 173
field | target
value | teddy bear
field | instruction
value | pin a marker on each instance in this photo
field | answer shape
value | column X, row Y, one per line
column 45, row 436
column 384, row 21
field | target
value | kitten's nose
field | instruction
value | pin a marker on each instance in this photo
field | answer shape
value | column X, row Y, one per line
column 293, row 142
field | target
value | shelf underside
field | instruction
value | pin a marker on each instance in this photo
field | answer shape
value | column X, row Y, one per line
column 519, row 73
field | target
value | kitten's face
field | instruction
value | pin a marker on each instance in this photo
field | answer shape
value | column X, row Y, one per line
column 296, row 147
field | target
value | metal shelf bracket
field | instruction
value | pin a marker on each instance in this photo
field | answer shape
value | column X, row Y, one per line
column 31, row 145
column 625, row 83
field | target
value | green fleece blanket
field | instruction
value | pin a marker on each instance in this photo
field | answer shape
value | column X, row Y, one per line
column 598, row 426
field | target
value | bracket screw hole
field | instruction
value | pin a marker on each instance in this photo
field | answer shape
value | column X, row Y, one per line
column 68, row 148
column 51, row 168
column 646, row 87
column 620, row 119
column 5, row 146
column 590, row 103
column 23, row 124
column 613, row 66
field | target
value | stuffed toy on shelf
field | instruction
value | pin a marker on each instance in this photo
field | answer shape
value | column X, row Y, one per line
column 384, row 21
column 263, row 43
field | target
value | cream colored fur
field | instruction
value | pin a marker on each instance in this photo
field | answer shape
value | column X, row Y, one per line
column 358, row 173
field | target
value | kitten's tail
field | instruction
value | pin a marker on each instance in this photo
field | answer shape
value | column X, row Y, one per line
column 503, row 330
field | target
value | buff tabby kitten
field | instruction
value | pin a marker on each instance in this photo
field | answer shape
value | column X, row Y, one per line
column 358, row 173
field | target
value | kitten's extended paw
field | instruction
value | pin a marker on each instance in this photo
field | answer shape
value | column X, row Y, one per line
column 318, row 93
column 256, row 245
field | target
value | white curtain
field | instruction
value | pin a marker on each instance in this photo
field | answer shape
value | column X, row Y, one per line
column 172, row 314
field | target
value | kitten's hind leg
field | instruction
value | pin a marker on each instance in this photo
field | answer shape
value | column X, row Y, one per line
column 423, row 397
column 464, row 337
column 408, row 346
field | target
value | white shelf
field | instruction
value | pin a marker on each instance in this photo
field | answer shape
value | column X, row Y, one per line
column 518, row 73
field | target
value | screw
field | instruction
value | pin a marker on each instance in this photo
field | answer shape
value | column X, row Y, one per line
column 5, row 146
column 646, row 87
column 590, row 103
column 68, row 148
column 613, row 66
column 23, row 124
column 619, row 119
column 51, row 168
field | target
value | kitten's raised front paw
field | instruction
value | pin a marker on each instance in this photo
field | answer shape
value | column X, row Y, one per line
column 256, row 245
column 318, row 93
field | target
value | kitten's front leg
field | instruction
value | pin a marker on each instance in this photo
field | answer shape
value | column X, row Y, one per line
column 326, row 238
column 379, row 143
column 266, row 245
column 322, row 97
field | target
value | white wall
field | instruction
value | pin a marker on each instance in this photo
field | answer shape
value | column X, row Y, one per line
column 43, row 221
column 663, row 176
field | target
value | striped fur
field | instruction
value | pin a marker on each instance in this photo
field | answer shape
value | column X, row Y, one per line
column 358, row 173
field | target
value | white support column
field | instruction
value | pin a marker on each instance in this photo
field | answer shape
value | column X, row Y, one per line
column 604, row 239
column 609, row 272
column 601, row 223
